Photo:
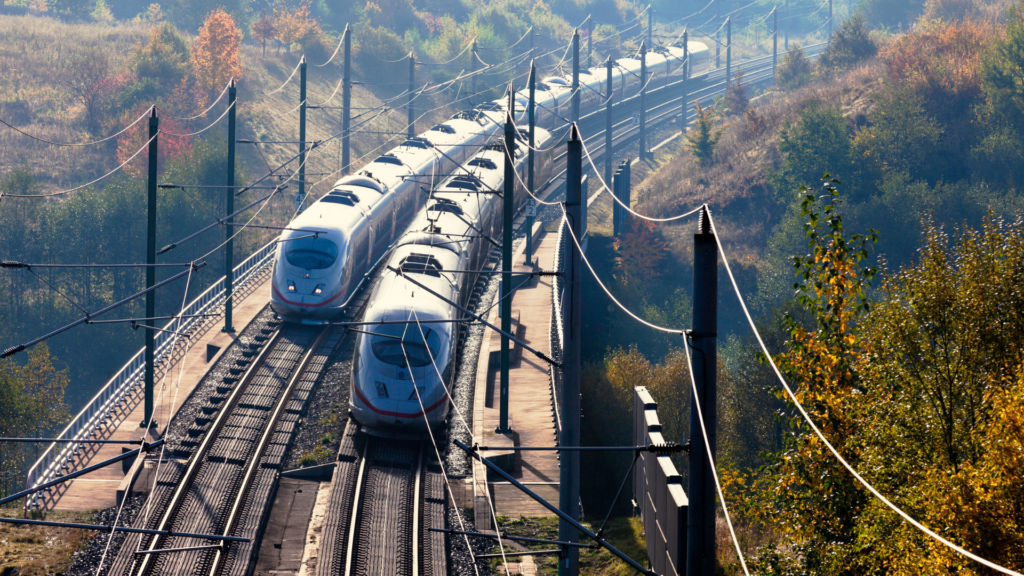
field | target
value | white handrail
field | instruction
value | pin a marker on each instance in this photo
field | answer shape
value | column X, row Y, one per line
column 124, row 384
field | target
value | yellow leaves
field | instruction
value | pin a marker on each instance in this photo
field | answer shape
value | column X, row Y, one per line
column 296, row 26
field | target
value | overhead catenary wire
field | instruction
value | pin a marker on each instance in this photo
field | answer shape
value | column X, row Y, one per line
column 204, row 112
column 77, row 144
column 711, row 459
column 201, row 130
column 565, row 221
column 803, row 413
column 86, row 185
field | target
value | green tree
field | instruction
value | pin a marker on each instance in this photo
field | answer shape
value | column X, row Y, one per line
column 1002, row 72
column 31, row 404
column 794, row 68
column 902, row 137
column 703, row 137
column 890, row 14
column 819, row 143
column 850, row 44
column 165, row 56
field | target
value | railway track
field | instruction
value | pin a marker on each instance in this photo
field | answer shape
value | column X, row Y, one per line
column 386, row 496
column 221, row 476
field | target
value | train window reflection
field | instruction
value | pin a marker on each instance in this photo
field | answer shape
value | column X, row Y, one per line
column 388, row 346
column 311, row 253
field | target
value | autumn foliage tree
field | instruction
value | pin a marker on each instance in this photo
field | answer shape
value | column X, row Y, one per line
column 297, row 26
column 215, row 58
column 264, row 29
column 137, row 137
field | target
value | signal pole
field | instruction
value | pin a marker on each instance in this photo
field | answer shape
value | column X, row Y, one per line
column 728, row 50
column 785, row 44
column 569, row 474
column 229, row 255
column 608, row 124
column 775, row 39
column 686, row 77
column 508, row 205
column 154, row 131
column 643, row 100
column 300, row 198
column 650, row 25
column 590, row 41
column 346, row 101
column 700, row 546
column 530, row 110
column 829, row 19
column 575, row 113
column 408, row 103
column 472, row 70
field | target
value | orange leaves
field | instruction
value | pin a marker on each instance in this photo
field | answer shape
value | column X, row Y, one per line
column 137, row 136
column 215, row 58
column 639, row 255
column 941, row 58
column 296, row 26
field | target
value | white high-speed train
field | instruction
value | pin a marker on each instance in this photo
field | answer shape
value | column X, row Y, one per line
column 412, row 337
column 332, row 246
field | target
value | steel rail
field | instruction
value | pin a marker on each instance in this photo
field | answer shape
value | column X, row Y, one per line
column 268, row 433
column 195, row 463
column 417, row 515
column 357, row 499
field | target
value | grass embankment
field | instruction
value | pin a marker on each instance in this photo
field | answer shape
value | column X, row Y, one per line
column 40, row 550
column 626, row 534
column 36, row 57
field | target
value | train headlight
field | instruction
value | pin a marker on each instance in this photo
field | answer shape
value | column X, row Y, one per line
column 318, row 289
column 291, row 286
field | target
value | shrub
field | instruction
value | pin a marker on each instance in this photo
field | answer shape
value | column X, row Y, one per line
column 165, row 57
column 850, row 44
column 374, row 44
column 736, row 97
column 794, row 68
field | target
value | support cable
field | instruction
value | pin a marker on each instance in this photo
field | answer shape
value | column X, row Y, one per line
column 201, row 114
column 200, row 131
column 70, row 190
column 73, row 144
column 818, row 433
column 440, row 462
column 711, row 457
column 565, row 220
column 281, row 87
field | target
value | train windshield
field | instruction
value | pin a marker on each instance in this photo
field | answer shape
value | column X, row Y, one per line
column 311, row 253
column 396, row 342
